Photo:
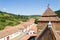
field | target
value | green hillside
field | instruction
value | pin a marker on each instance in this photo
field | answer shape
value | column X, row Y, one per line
column 8, row 19
column 58, row 12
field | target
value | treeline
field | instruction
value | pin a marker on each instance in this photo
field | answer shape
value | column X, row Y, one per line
column 58, row 13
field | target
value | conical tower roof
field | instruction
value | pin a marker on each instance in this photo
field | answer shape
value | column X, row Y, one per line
column 49, row 12
column 49, row 15
column 48, row 34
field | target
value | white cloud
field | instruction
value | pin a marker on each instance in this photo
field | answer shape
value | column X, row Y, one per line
column 4, row 9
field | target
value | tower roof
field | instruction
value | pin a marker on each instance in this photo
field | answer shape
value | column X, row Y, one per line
column 49, row 15
column 48, row 34
column 49, row 12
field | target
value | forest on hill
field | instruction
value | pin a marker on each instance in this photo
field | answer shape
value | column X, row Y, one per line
column 9, row 19
column 58, row 13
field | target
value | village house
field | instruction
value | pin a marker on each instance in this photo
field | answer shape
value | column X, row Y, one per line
column 11, row 32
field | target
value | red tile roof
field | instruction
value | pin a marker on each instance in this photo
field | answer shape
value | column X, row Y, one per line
column 28, row 36
column 9, row 29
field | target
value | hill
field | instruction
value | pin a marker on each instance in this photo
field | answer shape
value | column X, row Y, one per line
column 58, row 12
column 8, row 19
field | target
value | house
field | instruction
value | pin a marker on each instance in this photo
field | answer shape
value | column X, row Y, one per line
column 11, row 32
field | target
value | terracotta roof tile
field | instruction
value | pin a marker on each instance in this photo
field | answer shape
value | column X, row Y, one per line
column 10, row 30
column 28, row 36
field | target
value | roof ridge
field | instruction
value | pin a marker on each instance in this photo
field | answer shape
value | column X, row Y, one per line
column 49, row 12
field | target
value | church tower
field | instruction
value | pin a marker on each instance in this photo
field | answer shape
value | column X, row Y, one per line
column 47, row 16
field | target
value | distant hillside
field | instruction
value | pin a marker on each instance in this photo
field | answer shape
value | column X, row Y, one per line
column 9, row 19
column 58, row 12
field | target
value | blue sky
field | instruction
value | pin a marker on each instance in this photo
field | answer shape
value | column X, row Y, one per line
column 28, row 7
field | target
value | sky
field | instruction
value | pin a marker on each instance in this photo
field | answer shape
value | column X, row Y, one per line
column 28, row 7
